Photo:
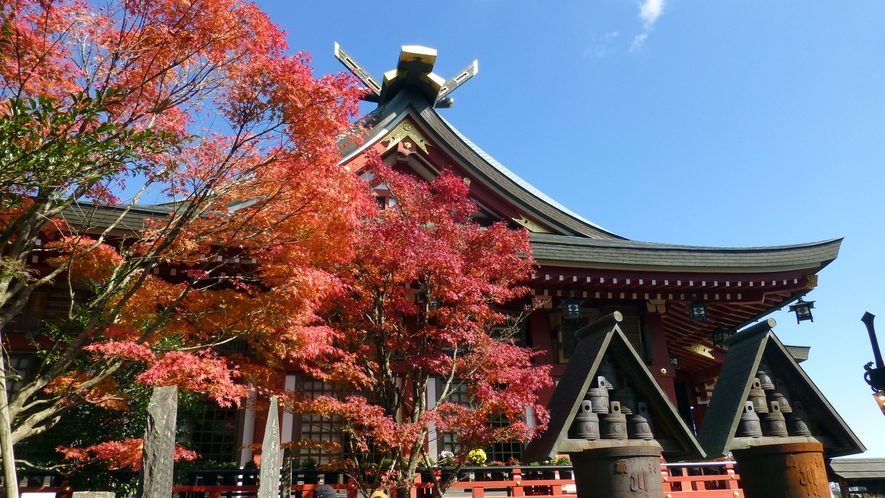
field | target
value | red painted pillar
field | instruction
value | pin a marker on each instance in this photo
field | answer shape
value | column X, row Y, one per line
column 542, row 340
column 660, row 366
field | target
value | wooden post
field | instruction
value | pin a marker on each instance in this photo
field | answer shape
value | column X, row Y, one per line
column 732, row 477
column 665, row 480
column 517, row 489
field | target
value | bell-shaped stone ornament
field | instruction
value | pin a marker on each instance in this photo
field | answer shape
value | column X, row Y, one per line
column 782, row 396
column 598, row 395
column 638, row 428
column 586, row 423
column 757, row 396
column 749, row 425
column 798, row 424
column 614, row 425
column 608, row 370
column 643, row 411
column 765, row 381
column 626, row 396
column 781, row 400
column 775, row 424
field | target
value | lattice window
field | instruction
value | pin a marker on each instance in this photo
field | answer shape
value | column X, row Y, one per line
column 18, row 368
column 501, row 452
column 631, row 325
column 214, row 437
column 449, row 441
column 504, row 451
column 512, row 330
column 566, row 327
column 314, row 427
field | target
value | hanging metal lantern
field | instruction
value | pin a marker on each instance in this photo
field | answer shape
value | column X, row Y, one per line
column 802, row 310
column 697, row 311
column 719, row 336
column 571, row 308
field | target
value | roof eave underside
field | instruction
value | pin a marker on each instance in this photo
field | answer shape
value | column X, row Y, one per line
column 479, row 164
column 558, row 250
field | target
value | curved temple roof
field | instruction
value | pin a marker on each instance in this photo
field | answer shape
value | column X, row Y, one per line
column 571, row 239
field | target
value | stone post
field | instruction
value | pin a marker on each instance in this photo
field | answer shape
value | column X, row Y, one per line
column 269, row 484
column 155, row 477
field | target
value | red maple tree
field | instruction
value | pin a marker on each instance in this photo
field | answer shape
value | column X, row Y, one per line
column 418, row 304
column 104, row 106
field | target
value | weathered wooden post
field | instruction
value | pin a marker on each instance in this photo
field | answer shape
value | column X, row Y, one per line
column 773, row 419
column 615, row 446
column 155, row 477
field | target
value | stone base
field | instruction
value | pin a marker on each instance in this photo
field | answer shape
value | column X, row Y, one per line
column 631, row 470
column 788, row 470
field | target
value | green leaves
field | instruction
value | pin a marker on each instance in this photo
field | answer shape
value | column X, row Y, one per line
column 55, row 147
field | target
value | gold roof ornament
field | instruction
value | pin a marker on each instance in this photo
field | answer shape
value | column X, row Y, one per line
column 406, row 130
column 414, row 69
column 530, row 225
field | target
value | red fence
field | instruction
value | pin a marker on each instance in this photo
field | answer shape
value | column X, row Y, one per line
column 682, row 480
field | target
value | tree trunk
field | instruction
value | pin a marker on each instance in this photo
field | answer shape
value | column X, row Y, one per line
column 403, row 491
column 9, row 476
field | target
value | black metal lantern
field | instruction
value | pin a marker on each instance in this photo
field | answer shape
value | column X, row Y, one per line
column 802, row 310
column 718, row 337
column 875, row 377
column 674, row 362
column 697, row 310
column 571, row 308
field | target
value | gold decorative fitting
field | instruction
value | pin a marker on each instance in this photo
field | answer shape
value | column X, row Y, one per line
column 812, row 281
column 406, row 130
column 700, row 349
column 530, row 225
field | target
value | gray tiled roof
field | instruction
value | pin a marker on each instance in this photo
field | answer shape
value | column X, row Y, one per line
column 516, row 179
column 550, row 248
column 858, row 468
column 480, row 165
column 88, row 215
column 595, row 340
column 745, row 353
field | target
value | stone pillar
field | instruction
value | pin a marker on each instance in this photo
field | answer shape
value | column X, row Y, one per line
column 155, row 477
column 789, row 470
column 633, row 471
column 269, row 483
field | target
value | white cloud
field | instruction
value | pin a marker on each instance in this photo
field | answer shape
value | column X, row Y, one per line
column 602, row 47
column 650, row 10
column 636, row 46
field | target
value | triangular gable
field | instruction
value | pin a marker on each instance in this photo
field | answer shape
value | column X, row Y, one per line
column 746, row 352
column 435, row 145
column 594, row 342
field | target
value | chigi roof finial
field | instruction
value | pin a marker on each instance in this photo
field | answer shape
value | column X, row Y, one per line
column 414, row 70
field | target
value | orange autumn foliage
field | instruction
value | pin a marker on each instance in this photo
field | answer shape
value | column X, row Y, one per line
column 197, row 108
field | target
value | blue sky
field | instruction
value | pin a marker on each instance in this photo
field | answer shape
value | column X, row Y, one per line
column 725, row 123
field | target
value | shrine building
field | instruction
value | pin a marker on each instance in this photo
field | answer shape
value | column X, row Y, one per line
column 679, row 302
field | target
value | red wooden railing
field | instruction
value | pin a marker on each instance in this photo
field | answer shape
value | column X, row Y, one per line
column 682, row 480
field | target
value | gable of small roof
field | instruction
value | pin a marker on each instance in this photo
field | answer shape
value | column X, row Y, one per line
column 475, row 162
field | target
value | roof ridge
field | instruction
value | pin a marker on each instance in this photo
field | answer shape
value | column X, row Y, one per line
column 638, row 244
column 519, row 180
